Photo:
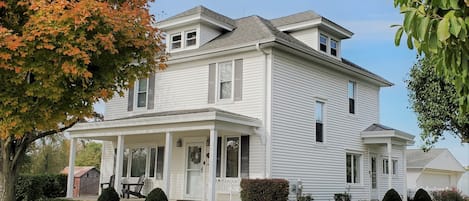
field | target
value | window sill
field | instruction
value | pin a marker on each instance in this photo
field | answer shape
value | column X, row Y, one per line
column 355, row 185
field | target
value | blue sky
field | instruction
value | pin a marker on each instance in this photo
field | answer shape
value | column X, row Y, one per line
column 372, row 46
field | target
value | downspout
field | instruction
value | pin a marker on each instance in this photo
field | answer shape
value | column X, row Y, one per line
column 266, row 117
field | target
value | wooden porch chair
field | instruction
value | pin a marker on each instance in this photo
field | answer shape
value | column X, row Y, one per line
column 126, row 192
column 110, row 183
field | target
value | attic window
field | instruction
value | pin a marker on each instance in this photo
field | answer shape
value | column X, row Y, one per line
column 323, row 43
column 176, row 41
column 333, row 47
column 191, row 38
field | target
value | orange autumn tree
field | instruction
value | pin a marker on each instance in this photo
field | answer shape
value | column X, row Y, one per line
column 57, row 58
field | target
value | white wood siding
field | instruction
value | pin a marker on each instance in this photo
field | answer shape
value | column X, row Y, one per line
column 308, row 36
column 207, row 34
column 296, row 85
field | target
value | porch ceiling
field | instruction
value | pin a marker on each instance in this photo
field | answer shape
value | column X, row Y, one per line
column 173, row 121
column 379, row 134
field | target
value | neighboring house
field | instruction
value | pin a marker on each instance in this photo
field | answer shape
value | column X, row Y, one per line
column 86, row 180
column 252, row 98
column 463, row 184
column 436, row 169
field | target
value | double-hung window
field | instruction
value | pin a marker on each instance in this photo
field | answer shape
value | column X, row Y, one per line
column 353, row 168
column 233, row 157
column 191, row 38
column 319, row 115
column 225, row 80
column 351, row 97
column 334, row 47
column 386, row 166
column 176, row 40
column 323, row 40
column 142, row 90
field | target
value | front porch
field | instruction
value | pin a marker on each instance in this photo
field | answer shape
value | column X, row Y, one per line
column 191, row 155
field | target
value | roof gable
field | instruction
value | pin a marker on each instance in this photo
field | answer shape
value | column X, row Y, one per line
column 199, row 13
column 438, row 159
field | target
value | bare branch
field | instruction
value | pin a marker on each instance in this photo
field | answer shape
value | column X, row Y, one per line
column 52, row 132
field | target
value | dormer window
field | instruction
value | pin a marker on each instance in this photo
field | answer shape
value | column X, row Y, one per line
column 191, row 38
column 333, row 47
column 323, row 43
column 176, row 40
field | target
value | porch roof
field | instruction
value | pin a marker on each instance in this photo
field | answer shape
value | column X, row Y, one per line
column 380, row 134
column 170, row 121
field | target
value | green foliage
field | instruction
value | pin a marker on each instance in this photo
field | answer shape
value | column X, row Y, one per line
column 392, row 195
column 306, row 197
column 35, row 187
column 448, row 195
column 90, row 155
column 48, row 155
column 422, row 195
column 435, row 102
column 342, row 196
column 156, row 195
column 264, row 189
column 109, row 194
column 439, row 29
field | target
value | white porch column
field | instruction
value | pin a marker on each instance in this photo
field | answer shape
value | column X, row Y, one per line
column 389, row 146
column 167, row 163
column 119, row 163
column 404, row 167
column 71, row 167
column 212, row 169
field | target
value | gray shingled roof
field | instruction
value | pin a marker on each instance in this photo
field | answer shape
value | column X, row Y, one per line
column 203, row 11
column 295, row 18
column 378, row 127
column 254, row 29
column 417, row 158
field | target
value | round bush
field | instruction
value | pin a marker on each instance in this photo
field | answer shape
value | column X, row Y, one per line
column 109, row 194
column 422, row 195
column 156, row 195
column 392, row 195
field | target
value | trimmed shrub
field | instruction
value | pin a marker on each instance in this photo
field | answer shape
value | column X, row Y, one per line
column 264, row 189
column 35, row 187
column 109, row 194
column 422, row 195
column 392, row 195
column 342, row 197
column 447, row 195
column 156, row 195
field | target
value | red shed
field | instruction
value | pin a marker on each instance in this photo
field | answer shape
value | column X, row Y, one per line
column 86, row 180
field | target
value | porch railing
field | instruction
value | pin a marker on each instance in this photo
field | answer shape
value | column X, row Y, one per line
column 228, row 185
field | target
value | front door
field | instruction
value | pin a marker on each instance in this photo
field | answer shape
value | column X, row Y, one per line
column 194, row 169
column 374, row 178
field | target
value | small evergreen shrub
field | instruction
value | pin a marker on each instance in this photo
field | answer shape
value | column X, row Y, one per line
column 307, row 197
column 447, row 195
column 264, row 190
column 36, row 187
column 422, row 195
column 109, row 194
column 392, row 195
column 156, row 195
column 342, row 196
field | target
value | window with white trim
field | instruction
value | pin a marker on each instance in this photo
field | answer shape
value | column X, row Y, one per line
column 191, row 38
column 353, row 168
column 232, row 157
column 176, row 41
column 351, row 97
column 225, row 80
column 142, row 90
column 386, row 166
column 319, row 116
column 334, row 47
column 323, row 40
column 143, row 161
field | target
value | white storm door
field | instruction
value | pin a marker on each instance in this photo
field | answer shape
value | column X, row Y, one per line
column 194, row 169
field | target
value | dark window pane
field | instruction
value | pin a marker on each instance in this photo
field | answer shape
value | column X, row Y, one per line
column 152, row 161
column 139, row 159
column 160, row 163
column 351, row 106
column 142, row 99
column 319, row 134
column 349, row 168
column 218, row 156
column 232, row 157
column 323, row 47
column 334, row 52
column 245, row 156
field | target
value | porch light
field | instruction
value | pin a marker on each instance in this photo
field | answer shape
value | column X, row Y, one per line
column 179, row 143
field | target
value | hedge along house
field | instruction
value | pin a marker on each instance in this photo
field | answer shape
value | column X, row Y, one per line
column 251, row 98
column 86, row 180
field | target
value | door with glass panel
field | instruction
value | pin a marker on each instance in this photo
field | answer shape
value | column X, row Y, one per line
column 194, row 169
column 374, row 178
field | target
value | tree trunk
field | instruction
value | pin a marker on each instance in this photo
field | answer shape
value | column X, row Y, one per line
column 8, row 177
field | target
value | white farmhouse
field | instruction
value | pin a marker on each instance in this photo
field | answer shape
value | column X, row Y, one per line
column 251, row 98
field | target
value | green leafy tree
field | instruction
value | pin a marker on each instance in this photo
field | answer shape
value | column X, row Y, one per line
column 89, row 155
column 439, row 29
column 435, row 102
column 58, row 57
